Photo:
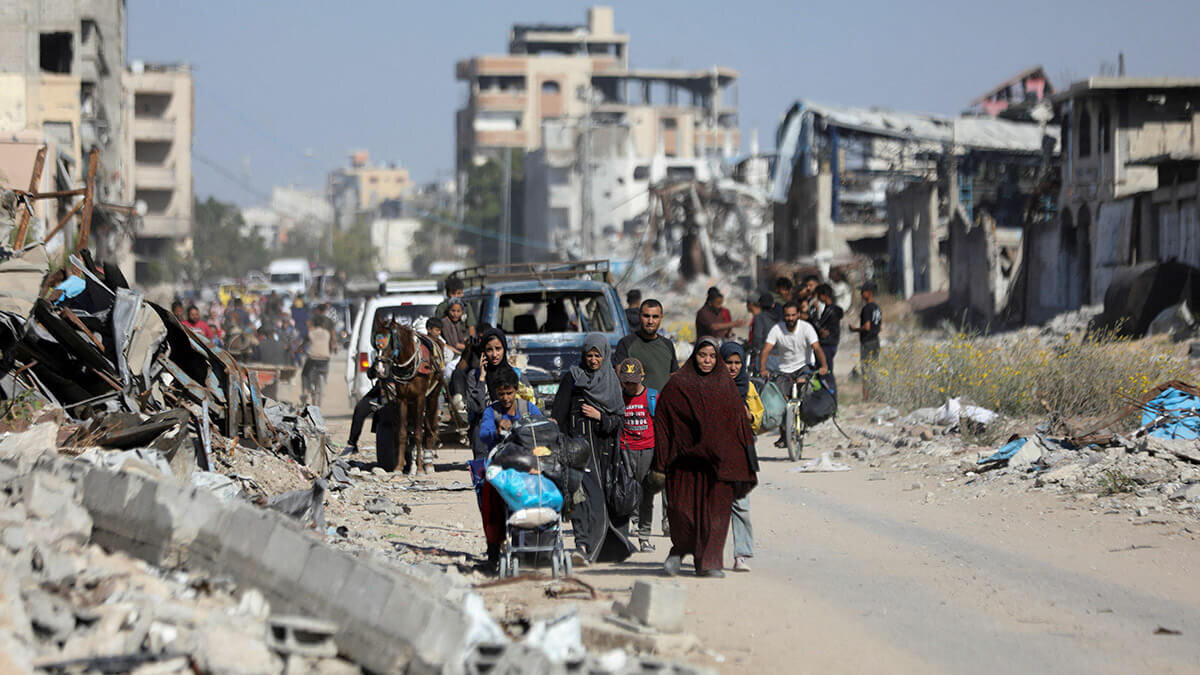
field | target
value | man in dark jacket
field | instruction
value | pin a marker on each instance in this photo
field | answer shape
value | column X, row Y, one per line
column 655, row 352
column 829, row 324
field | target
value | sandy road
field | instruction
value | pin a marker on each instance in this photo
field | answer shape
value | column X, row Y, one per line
column 855, row 572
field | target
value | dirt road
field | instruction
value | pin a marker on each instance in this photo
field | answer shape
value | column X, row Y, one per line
column 865, row 571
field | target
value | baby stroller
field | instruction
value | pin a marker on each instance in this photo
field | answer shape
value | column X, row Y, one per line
column 523, row 469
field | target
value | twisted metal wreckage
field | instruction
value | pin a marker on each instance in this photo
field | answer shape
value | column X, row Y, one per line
column 131, row 375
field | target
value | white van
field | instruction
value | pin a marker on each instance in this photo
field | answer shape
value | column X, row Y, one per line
column 289, row 276
column 402, row 306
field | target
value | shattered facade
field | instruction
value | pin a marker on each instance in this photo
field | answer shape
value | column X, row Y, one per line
column 569, row 72
column 847, row 183
column 61, row 64
column 1128, row 191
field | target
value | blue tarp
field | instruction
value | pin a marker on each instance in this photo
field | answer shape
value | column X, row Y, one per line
column 1182, row 412
column 1005, row 452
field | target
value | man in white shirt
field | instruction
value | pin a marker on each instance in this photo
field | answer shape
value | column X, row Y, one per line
column 797, row 346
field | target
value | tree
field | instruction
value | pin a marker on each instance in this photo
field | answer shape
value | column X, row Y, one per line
column 484, row 201
column 220, row 247
column 353, row 252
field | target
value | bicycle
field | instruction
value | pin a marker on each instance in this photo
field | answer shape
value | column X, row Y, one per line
column 794, row 426
column 312, row 380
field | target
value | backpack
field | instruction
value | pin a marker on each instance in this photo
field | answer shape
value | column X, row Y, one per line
column 522, row 411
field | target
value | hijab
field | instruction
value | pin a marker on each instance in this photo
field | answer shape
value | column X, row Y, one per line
column 700, row 416
column 484, row 339
column 599, row 387
column 743, row 377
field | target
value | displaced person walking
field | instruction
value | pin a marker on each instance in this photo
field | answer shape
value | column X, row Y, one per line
column 589, row 405
column 633, row 308
column 743, row 531
column 702, row 451
column 320, row 349
column 870, row 323
column 637, row 440
column 713, row 319
column 493, row 359
column 828, row 324
column 657, row 355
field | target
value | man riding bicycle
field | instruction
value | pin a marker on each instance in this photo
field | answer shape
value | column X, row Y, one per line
column 795, row 343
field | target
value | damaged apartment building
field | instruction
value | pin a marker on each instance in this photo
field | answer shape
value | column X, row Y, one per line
column 1128, row 191
column 889, row 185
column 568, row 96
column 61, row 69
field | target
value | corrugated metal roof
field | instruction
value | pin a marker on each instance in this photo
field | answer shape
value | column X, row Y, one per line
column 978, row 133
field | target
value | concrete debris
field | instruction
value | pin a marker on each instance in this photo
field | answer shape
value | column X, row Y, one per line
column 822, row 464
column 657, row 605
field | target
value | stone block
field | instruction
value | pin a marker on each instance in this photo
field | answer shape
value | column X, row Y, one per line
column 22, row 449
column 199, row 530
column 46, row 495
column 284, row 557
column 325, row 573
column 245, row 538
column 659, row 605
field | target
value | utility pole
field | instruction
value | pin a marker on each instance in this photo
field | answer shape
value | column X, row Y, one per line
column 586, row 223
column 506, row 216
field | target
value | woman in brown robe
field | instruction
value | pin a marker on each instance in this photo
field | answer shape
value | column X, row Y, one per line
column 702, row 444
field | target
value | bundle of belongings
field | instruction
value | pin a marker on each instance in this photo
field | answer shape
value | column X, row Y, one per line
column 534, row 466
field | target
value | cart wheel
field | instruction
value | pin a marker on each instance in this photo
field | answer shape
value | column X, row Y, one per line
column 567, row 564
column 504, row 567
column 556, row 564
column 514, row 567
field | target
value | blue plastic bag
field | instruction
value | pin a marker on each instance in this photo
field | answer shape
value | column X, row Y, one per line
column 524, row 490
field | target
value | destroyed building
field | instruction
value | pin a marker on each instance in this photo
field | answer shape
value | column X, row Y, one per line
column 886, row 185
column 61, row 67
column 570, row 72
column 1015, row 97
column 1128, row 193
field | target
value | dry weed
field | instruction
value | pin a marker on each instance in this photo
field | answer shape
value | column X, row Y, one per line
column 1073, row 377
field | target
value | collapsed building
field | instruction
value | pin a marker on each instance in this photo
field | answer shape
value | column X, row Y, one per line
column 1127, row 191
column 888, row 185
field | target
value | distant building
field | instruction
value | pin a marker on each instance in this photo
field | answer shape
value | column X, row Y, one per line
column 160, row 103
column 1014, row 97
column 1129, row 192
column 554, row 72
column 292, row 212
column 620, row 180
column 362, row 188
column 885, row 184
column 61, row 66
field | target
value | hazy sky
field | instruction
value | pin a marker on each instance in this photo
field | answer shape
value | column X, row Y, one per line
column 284, row 90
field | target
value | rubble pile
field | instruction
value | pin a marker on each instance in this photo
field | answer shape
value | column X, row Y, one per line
column 126, row 374
column 70, row 606
column 1141, row 472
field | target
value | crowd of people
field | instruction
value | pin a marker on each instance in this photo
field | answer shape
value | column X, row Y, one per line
column 686, row 433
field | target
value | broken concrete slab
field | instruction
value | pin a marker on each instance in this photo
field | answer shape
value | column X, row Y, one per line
column 658, row 605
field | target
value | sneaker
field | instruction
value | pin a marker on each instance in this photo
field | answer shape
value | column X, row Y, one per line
column 579, row 558
column 645, row 546
column 781, row 443
column 740, row 564
column 351, row 449
column 672, row 564
column 711, row 574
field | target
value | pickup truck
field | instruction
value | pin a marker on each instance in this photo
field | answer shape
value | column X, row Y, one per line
column 546, row 309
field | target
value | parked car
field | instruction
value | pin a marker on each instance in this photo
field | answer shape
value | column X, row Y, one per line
column 403, row 306
column 546, row 309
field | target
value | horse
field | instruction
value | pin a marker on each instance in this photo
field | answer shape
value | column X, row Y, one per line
column 407, row 369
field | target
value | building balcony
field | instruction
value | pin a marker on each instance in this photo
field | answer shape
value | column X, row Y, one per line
column 153, row 129
column 500, row 139
column 497, row 100
column 151, row 177
column 173, row 227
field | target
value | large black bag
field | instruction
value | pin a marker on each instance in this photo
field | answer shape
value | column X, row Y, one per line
column 818, row 406
column 622, row 489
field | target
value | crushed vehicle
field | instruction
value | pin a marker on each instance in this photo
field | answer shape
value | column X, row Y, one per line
column 546, row 309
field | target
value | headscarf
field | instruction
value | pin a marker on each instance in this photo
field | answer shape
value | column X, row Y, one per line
column 701, row 416
column 743, row 377
column 484, row 339
column 599, row 387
